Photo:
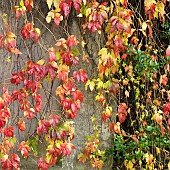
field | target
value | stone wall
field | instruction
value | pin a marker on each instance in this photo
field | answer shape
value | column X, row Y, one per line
column 10, row 63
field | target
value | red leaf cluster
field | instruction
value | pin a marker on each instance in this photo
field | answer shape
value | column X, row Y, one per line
column 42, row 164
column 65, row 6
column 168, row 51
column 98, row 16
column 80, row 75
column 9, row 131
column 24, row 148
column 10, row 43
column 1, row 40
column 122, row 112
column 19, row 11
column 28, row 4
column 10, row 163
column 28, row 31
column 166, row 109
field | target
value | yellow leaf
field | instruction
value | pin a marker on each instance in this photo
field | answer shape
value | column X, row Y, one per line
column 103, row 51
column 5, row 157
column 93, row 118
column 58, row 56
column 57, row 10
column 48, row 19
column 21, row 3
column 144, row 26
column 129, row 165
column 161, row 8
column 10, row 35
column 169, row 165
column 48, row 157
column 126, row 93
column 56, row 3
column 92, row 85
column 41, row 62
column 100, row 85
column 38, row 31
column 57, row 145
column 49, row 3
column 88, row 12
column 51, row 14
column 156, row 13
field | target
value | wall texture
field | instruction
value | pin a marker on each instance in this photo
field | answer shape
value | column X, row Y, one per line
column 10, row 63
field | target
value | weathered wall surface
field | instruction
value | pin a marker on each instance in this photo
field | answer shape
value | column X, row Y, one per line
column 10, row 63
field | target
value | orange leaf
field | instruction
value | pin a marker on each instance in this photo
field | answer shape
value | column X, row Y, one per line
column 21, row 125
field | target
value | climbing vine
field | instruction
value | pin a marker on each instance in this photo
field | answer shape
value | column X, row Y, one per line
column 133, row 70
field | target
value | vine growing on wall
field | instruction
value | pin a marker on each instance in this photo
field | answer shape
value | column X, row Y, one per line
column 133, row 69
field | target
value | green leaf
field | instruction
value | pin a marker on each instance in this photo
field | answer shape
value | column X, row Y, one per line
column 75, row 51
column 58, row 56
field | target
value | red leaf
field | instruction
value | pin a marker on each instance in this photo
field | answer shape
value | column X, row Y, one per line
column 78, row 95
column 76, row 75
column 111, row 126
column 25, row 31
column 168, row 51
column 67, row 58
column 80, row 75
column 66, row 103
column 122, row 117
column 104, row 117
column 35, row 35
column 63, row 73
column 77, row 5
column 71, row 41
column 1, row 103
column 122, row 108
column 162, row 130
column 28, row 4
column 58, row 18
column 9, row 131
column 52, row 56
column 65, row 8
column 163, row 80
column 44, row 126
column 6, row 97
column 67, row 148
column 166, row 109
column 73, row 107
column 42, row 164
column 122, row 113
column 2, row 121
column 15, row 161
column 29, row 114
column 28, row 31
column 54, row 120
column 10, row 45
column 21, row 125
column 124, row 56
column 24, row 148
column 6, row 163
column 169, row 122
column 1, row 40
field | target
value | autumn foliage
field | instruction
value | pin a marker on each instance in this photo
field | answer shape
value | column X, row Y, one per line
column 132, row 69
